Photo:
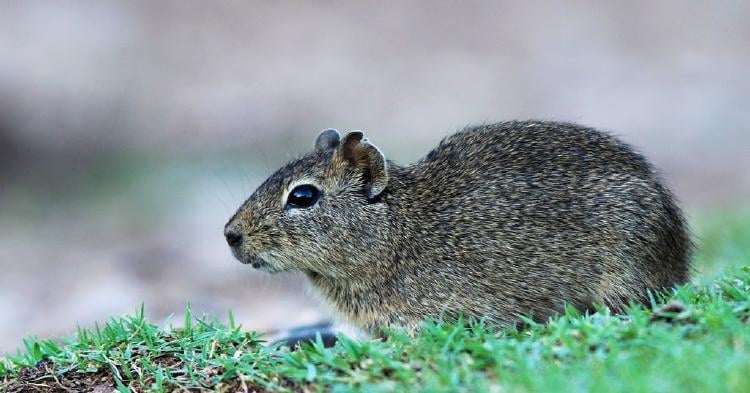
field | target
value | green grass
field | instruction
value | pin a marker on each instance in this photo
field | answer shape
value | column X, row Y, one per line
column 723, row 241
column 699, row 342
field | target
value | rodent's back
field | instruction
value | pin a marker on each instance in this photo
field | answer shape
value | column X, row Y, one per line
column 534, row 213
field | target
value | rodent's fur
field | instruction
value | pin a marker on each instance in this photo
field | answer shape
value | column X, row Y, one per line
column 515, row 218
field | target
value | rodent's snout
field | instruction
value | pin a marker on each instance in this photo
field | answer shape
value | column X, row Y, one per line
column 234, row 237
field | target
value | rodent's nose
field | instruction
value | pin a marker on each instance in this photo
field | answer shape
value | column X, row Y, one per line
column 234, row 237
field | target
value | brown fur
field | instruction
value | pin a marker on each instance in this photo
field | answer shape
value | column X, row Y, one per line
column 501, row 220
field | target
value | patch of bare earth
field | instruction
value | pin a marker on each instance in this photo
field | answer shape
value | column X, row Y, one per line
column 43, row 379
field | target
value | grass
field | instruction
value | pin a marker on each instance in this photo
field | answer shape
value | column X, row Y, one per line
column 723, row 240
column 694, row 339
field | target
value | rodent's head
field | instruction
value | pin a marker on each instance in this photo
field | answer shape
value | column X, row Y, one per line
column 321, row 214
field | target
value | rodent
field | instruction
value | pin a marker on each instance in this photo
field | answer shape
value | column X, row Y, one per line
column 498, row 221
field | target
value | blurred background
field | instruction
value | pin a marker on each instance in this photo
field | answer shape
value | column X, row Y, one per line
column 130, row 132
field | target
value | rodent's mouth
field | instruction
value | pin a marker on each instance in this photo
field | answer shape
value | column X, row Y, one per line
column 258, row 262
column 254, row 260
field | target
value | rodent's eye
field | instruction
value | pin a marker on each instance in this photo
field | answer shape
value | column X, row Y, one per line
column 302, row 196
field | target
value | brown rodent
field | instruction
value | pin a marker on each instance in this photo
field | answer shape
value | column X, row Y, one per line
column 515, row 218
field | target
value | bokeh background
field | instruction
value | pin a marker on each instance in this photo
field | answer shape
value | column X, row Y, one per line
column 130, row 132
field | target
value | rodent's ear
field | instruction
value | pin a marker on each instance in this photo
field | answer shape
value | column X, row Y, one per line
column 358, row 151
column 327, row 140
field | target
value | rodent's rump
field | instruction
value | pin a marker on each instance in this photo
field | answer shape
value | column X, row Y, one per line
column 501, row 220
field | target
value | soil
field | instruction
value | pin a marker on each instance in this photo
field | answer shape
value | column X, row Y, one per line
column 44, row 379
